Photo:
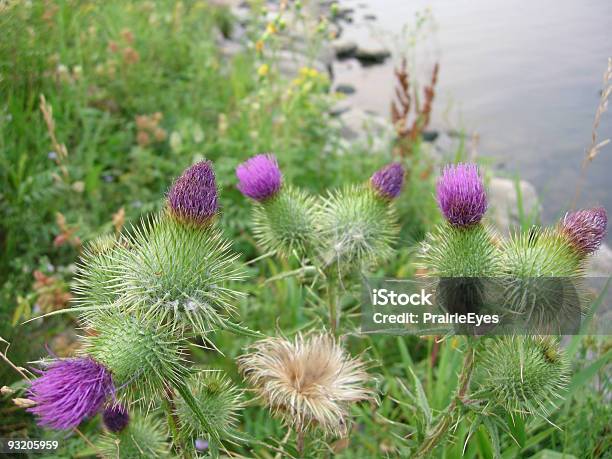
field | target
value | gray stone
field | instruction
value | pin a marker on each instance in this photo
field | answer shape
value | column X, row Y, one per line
column 600, row 264
column 344, row 48
column 503, row 203
column 340, row 107
column 372, row 54
column 367, row 129
column 345, row 88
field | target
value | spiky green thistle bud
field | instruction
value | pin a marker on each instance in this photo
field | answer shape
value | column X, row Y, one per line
column 524, row 375
column 540, row 252
column 96, row 276
column 356, row 228
column 284, row 223
column 143, row 356
column 450, row 251
column 220, row 402
column 143, row 438
column 181, row 273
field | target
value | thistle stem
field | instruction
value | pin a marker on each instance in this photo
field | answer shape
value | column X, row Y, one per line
column 332, row 305
column 173, row 421
column 438, row 431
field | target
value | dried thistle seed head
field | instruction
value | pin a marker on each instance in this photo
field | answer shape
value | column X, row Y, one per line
column 448, row 251
column 585, row 229
column 68, row 391
column 461, row 195
column 523, row 374
column 285, row 223
column 142, row 355
column 115, row 417
column 143, row 438
column 388, row 181
column 219, row 400
column 180, row 273
column 309, row 382
column 193, row 198
column 355, row 228
column 259, row 177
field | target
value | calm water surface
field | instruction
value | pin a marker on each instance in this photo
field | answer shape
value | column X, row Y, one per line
column 524, row 75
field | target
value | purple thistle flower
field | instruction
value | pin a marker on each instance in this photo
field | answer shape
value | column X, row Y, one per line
column 461, row 195
column 193, row 197
column 259, row 177
column 585, row 228
column 389, row 180
column 116, row 418
column 68, row 391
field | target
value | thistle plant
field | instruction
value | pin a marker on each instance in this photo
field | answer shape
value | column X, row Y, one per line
column 463, row 246
column 144, row 437
column 518, row 375
column 69, row 391
column 309, row 382
column 343, row 233
column 142, row 298
column 283, row 217
column 521, row 375
column 358, row 224
column 219, row 400
column 115, row 418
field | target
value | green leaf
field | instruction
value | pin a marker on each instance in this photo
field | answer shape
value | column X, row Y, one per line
column 421, row 398
column 494, row 434
column 550, row 454
column 586, row 374
column 517, row 428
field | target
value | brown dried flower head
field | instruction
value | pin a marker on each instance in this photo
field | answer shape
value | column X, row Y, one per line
column 308, row 382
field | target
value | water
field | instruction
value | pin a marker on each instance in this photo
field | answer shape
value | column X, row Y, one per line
column 524, row 75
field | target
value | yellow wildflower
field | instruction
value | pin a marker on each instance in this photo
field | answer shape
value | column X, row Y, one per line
column 263, row 70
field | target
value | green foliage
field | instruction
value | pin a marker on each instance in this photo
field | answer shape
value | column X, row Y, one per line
column 284, row 223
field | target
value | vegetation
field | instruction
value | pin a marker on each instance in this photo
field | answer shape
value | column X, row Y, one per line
column 102, row 106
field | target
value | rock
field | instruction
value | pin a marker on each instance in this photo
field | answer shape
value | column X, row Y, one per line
column 369, row 17
column 430, row 136
column 340, row 107
column 367, row 129
column 345, row 88
column 503, row 202
column 600, row 264
column 372, row 54
column 343, row 48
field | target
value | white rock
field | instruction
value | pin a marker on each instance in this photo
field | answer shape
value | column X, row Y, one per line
column 344, row 48
column 503, row 202
column 600, row 264
column 372, row 53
